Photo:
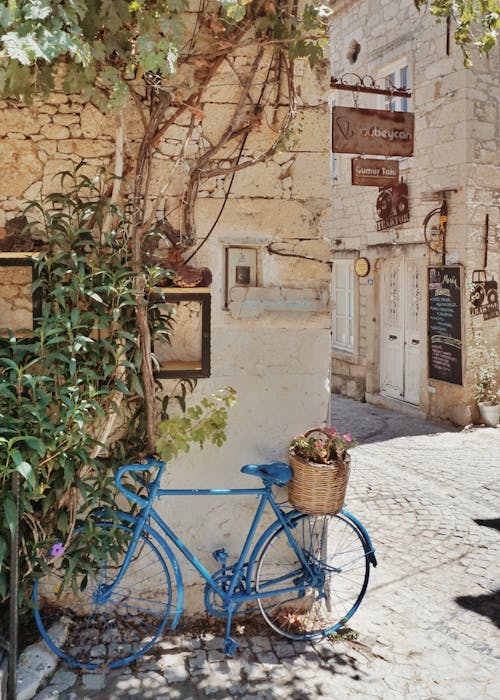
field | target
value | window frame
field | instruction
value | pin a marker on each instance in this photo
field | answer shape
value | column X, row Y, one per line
column 399, row 80
column 350, row 292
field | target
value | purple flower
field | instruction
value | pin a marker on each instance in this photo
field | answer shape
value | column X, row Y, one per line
column 57, row 550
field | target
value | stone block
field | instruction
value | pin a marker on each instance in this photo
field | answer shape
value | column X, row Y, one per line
column 265, row 136
column 19, row 121
column 20, row 167
column 95, row 124
column 311, row 176
column 35, row 664
column 274, row 219
column 311, row 129
column 161, row 175
column 86, row 148
column 259, row 180
column 217, row 119
column 55, row 131
column 65, row 119
column 252, row 302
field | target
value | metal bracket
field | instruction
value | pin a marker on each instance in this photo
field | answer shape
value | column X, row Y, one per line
column 368, row 84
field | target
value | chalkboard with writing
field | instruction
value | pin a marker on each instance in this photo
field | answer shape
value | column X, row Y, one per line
column 445, row 324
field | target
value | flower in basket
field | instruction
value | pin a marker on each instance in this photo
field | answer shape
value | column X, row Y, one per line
column 322, row 445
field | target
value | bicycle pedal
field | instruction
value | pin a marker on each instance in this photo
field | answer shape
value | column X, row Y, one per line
column 220, row 555
column 230, row 646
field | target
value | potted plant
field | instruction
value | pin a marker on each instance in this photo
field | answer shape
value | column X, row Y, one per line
column 320, row 463
column 486, row 389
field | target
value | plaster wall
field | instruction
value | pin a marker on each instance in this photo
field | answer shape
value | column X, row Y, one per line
column 271, row 343
column 457, row 132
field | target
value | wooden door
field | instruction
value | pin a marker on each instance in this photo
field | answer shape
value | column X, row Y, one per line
column 400, row 340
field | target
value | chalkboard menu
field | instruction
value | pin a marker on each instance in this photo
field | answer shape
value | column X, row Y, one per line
column 445, row 324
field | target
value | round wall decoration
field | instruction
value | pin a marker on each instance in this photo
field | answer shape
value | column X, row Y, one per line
column 362, row 267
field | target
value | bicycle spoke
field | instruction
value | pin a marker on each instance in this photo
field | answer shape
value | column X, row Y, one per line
column 328, row 590
column 114, row 628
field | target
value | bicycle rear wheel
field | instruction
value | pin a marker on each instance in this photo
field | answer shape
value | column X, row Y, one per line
column 303, row 603
column 108, row 626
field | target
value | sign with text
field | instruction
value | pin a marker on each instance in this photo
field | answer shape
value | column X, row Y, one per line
column 393, row 206
column 376, row 132
column 375, row 173
column 445, row 324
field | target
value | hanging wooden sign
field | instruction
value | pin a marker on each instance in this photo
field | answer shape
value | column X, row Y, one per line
column 373, row 172
column 376, row 132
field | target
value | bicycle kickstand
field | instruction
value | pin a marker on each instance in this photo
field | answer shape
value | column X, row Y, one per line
column 230, row 645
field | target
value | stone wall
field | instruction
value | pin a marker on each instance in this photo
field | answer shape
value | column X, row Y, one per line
column 457, row 133
column 16, row 304
column 272, row 341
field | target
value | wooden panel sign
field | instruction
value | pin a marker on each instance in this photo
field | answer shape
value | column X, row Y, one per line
column 376, row 132
column 445, row 324
column 375, row 173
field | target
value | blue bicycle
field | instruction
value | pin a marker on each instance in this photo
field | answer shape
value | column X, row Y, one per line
column 118, row 583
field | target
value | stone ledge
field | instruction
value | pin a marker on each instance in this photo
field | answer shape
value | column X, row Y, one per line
column 249, row 302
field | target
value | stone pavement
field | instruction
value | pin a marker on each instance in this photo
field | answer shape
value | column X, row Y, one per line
column 428, row 626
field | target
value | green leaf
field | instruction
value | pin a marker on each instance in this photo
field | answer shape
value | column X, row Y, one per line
column 10, row 513
column 37, row 9
column 26, row 471
column 36, row 444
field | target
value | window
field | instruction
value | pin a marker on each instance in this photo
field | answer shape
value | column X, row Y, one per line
column 333, row 156
column 343, row 305
column 397, row 78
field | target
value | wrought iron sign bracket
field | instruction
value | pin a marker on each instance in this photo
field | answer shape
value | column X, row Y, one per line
column 435, row 223
column 367, row 84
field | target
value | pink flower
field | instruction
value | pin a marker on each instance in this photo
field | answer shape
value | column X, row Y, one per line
column 348, row 437
column 331, row 431
column 57, row 550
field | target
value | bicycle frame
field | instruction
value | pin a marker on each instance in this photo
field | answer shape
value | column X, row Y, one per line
column 278, row 565
column 148, row 512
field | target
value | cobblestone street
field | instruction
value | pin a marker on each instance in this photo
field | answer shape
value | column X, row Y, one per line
column 428, row 627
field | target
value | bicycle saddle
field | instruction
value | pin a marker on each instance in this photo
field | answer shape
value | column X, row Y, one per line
column 277, row 472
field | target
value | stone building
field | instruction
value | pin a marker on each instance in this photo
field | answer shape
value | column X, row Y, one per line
column 269, row 327
column 404, row 321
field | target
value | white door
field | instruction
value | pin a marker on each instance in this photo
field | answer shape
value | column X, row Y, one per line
column 400, row 341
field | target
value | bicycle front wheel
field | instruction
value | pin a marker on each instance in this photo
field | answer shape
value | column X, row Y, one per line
column 307, row 601
column 109, row 624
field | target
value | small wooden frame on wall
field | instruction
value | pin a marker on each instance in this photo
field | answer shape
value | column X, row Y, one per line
column 19, row 306
column 187, row 355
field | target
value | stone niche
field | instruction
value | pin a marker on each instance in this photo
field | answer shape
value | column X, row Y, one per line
column 16, row 300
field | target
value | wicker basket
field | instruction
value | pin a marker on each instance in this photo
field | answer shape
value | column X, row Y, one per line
column 318, row 489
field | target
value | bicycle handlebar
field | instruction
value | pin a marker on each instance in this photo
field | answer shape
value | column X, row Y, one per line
column 150, row 463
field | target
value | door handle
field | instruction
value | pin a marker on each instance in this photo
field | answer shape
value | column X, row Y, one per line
column 393, row 337
column 415, row 341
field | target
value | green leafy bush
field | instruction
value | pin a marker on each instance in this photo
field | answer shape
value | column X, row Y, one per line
column 67, row 385
column 199, row 424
